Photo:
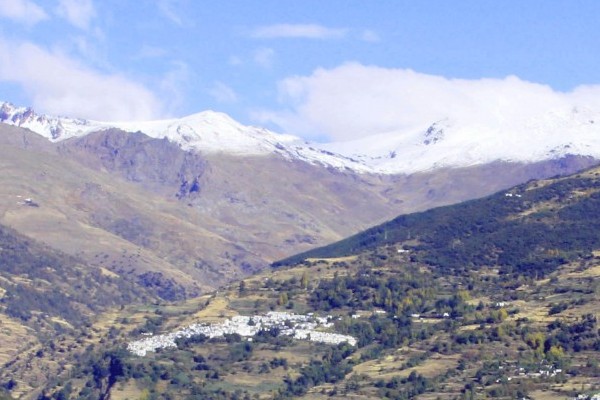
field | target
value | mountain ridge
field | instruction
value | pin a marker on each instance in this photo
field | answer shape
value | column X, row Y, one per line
column 207, row 132
column 444, row 143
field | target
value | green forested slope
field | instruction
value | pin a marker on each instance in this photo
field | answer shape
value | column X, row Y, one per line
column 529, row 230
column 39, row 283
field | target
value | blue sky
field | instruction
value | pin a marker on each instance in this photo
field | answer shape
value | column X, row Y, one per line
column 321, row 69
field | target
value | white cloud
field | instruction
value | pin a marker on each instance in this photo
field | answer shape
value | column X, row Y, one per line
column 60, row 85
column 264, row 57
column 223, row 93
column 22, row 11
column 79, row 13
column 354, row 100
column 306, row 31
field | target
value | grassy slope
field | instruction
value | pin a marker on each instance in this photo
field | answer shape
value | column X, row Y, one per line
column 547, row 316
column 436, row 357
column 45, row 293
column 109, row 222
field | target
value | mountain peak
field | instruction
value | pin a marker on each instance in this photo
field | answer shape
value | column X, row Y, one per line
column 444, row 143
column 210, row 116
column 51, row 127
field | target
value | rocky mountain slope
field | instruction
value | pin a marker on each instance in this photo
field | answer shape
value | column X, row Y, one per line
column 492, row 298
column 204, row 200
column 184, row 222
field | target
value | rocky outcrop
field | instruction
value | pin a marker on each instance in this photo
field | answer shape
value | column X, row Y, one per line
column 156, row 164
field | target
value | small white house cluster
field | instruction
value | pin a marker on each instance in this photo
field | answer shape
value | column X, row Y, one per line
column 302, row 327
column 587, row 397
column 547, row 371
column 512, row 195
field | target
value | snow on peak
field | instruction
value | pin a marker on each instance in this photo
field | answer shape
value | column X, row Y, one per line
column 442, row 143
column 52, row 128
column 211, row 131
column 207, row 132
column 451, row 143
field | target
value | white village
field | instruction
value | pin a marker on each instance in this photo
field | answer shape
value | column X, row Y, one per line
column 300, row 327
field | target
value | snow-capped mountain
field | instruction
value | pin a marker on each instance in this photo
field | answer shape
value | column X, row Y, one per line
column 449, row 143
column 210, row 199
column 444, row 143
column 53, row 128
column 207, row 132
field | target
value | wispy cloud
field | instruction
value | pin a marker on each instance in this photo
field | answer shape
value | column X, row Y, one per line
column 369, row 36
column 223, row 93
column 61, row 85
column 174, row 84
column 167, row 9
column 354, row 100
column 22, row 11
column 264, row 57
column 79, row 13
column 305, row 31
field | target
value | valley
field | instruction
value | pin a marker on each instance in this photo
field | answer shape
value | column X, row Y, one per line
column 141, row 267
column 271, row 200
column 432, row 317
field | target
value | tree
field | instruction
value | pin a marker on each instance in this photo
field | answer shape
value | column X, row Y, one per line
column 536, row 342
column 283, row 299
column 556, row 353
column 304, row 280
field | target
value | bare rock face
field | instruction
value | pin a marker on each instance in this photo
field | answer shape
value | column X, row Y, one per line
column 157, row 165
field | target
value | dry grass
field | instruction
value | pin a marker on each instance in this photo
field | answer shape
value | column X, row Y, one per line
column 301, row 353
column 127, row 391
column 14, row 337
column 553, row 205
column 435, row 365
column 536, row 311
column 546, row 395
column 333, row 259
column 592, row 272
column 108, row 273
column 216, row 311
column 389, row 365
